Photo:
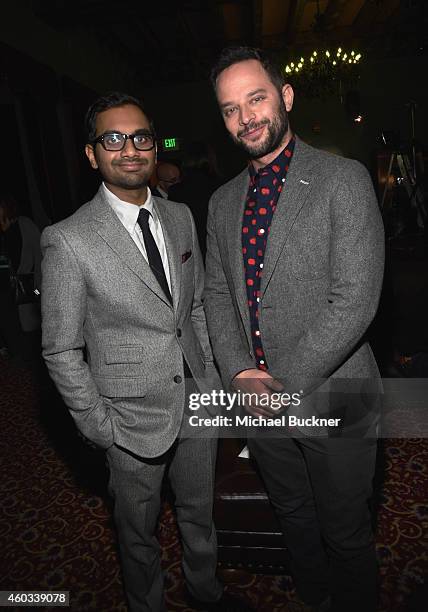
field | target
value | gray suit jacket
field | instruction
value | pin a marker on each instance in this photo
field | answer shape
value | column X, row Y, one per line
column 322, row 273
column 112, row 342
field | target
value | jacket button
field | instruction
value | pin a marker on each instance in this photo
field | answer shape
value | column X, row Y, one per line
column 178, row 332
column 177, row 379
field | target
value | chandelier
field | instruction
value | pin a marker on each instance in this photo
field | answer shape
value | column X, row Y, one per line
column 324, row 72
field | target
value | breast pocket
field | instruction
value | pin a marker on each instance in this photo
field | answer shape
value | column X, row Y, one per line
column 308, row 245
column 187, row 271
column 309, row 259
column 186, row 256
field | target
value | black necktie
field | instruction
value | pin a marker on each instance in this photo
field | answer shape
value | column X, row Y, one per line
column 153, row 255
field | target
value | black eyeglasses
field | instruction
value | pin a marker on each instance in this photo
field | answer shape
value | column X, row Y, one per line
column 115, row 141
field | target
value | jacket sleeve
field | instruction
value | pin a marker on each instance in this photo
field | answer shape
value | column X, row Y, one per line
column 63, row 298
column 198, row 314
column 231, row 353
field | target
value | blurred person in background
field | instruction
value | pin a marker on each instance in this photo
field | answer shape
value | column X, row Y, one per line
column 294, row 273
column 20, row 275
column 167, row 174
column 199, row 181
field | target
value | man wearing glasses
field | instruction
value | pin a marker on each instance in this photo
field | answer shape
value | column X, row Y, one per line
column 123, row 332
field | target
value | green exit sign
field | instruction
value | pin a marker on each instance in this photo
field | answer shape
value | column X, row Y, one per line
column 170, row 144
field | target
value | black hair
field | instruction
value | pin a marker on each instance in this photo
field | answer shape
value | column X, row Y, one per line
column 233, row 55
column 10, row 205
column 113, row 99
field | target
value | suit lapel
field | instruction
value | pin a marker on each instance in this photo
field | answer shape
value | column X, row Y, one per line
column 299, row 181
column 233, row 227
column 111, row 230
column 172, row 243
column 298, row 185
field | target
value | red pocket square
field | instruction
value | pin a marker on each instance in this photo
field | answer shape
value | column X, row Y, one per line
column 185, row 256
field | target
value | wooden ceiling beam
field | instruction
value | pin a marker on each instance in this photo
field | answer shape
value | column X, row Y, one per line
column 373, row 13
column 348, row 12
column 275, row 15
column 233, row 22
column 295, row 15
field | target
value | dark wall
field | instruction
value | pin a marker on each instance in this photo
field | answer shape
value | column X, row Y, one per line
column 385, row 87
column 42, row 116
column 190, row 112
column 52, row 94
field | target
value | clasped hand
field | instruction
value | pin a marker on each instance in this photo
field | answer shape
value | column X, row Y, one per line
column 254, row 381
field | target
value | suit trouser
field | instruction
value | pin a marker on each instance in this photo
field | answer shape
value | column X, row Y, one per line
column 320, row 489
column 135, row 484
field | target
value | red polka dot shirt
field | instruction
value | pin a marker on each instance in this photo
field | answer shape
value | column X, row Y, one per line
column 265, row 186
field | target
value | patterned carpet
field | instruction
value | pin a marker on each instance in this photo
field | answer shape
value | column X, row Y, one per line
column 56, row 531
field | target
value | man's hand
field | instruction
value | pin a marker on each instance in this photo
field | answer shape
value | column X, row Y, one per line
column 260, row 383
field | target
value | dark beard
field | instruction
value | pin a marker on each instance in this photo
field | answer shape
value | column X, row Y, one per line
column 277, row 128
column 132, row 182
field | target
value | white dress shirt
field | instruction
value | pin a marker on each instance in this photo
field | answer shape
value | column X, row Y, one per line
column 128, row 215
column 162, row 192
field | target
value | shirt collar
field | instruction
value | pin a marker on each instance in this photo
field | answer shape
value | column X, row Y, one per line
column 279, row 165
column 162, row 192
column 128, row 213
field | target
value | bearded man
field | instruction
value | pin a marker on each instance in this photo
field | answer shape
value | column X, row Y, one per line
column 294, row 272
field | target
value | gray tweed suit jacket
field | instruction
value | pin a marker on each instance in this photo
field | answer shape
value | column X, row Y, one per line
column 321, row 279
column 112, row 342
